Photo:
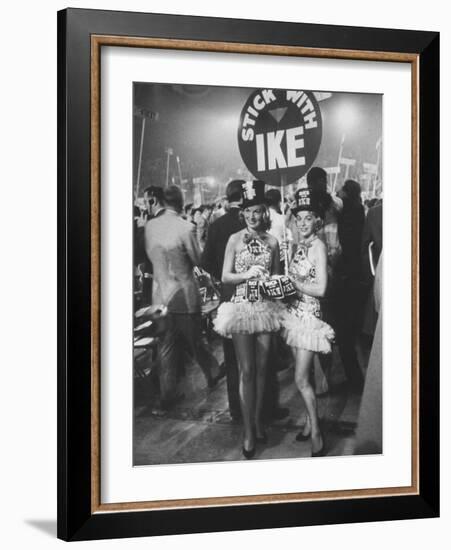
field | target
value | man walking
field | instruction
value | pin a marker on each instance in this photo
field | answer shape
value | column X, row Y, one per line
column 171, row 247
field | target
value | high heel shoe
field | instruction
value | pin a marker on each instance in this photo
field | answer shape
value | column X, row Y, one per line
column 248, row 453
column 321, row 451
column 302, row 436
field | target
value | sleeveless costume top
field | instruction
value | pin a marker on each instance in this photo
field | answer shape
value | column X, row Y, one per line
column 248, row 311
column 302, row 269
column 256, row 252
column 302, row 325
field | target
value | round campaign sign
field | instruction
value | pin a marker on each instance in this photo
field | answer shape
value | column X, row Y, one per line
column 280, row 134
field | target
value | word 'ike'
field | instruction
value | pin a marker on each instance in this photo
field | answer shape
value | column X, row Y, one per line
column 275, row 156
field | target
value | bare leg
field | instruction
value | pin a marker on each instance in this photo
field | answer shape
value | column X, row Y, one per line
column 262, row 347
column 245, row 352
column 304, row 361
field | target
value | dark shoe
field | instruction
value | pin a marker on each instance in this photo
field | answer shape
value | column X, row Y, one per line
column 320, row 452
column 248, row 454
column 284, row 364
column 158, row 411
column 302, row 437
column 280, row 413
column 167, row 404
column 213, row 381
column 222, row 371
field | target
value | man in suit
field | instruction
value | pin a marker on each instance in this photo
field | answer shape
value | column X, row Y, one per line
column 372, row 233
column 171, row 247
column 350, row 291
column 212, row 261
column 153, row 199
column 369, row 426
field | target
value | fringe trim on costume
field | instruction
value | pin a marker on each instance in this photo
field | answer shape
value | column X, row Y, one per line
column 307, row 332
column 247, row 318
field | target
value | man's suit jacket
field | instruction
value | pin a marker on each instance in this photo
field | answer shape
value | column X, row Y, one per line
column 214, row 251
column 350, row 229
column 372, row 232
column 172, row 248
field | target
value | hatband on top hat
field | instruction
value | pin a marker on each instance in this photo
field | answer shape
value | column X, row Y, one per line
column 307, row 199
column 253, row 193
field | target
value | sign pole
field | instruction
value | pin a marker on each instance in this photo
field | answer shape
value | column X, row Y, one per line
column 340, row 153
column 378, row 162
column 180, row 171
column 144, row 114
column 283, row 182
column 169, row 152
column 138, row 175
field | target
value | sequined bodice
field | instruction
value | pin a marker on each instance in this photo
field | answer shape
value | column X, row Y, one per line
column 254, row 252
column 301, row 268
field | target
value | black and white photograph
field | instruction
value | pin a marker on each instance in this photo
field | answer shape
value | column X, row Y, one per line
column 226, row 246
column 257, row 272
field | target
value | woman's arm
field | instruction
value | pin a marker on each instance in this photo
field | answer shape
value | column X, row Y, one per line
column 316, row 288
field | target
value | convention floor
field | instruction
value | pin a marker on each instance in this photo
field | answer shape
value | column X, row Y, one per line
column 199, row 427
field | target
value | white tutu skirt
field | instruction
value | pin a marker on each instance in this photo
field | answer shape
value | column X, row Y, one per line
column 306, row 331
column 247, row 318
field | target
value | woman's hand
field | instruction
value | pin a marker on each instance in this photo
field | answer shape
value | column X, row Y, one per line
column 255, row 272
column 284, row 247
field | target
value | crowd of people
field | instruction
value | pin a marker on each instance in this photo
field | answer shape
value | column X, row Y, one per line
column 293, row 280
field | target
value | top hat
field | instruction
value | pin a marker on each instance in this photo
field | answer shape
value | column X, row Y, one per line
column 253, row 193
column 307, row 199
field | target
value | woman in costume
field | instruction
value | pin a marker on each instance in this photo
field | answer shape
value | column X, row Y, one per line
column 251, row 257
column 302, row 325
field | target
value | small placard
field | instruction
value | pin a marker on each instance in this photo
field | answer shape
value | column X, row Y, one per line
column 253, row 290
column 273, row 288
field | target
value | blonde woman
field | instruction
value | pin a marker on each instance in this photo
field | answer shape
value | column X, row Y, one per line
column 302, row 325
column 252, row 256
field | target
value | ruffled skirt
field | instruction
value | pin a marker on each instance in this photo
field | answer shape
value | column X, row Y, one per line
column 302, row 329
column 247, row 318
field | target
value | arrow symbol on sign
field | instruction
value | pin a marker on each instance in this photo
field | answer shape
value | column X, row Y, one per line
column 278, row 114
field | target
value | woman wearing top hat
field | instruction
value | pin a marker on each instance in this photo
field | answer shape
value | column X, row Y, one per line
column 251, row 256
column 302, row 325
